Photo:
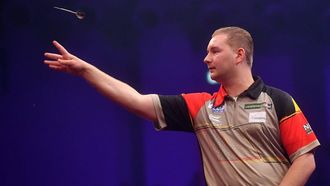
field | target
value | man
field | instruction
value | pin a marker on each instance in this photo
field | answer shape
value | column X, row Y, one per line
column 249, row 133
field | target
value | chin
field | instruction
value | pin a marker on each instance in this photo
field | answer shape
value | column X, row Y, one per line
column 214, row 77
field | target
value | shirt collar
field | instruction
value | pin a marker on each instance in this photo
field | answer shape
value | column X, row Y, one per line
column 253, row 92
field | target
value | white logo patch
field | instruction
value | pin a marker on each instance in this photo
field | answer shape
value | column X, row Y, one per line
column 215, row 119
column 257, row 117
column 308, row 128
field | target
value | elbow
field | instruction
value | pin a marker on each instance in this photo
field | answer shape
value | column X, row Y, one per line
column 310, row 164
column 306, row 163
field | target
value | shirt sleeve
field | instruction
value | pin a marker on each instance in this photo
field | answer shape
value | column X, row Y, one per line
column 297, row 135
column 172, row 113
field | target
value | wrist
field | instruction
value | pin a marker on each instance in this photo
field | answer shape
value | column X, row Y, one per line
column 87, row 70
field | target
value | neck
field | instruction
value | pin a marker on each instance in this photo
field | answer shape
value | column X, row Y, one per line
column 235, row 86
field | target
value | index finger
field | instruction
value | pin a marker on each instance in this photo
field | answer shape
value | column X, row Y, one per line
column 60, row 48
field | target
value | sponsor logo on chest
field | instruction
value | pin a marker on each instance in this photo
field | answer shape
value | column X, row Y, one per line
column 257, row 117
column 215, row 114
column 258, row 105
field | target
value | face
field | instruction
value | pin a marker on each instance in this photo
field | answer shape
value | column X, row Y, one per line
column 220, row 58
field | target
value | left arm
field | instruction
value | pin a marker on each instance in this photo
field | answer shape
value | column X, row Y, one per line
column 299, row 171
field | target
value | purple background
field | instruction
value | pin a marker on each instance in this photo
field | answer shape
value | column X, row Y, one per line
column 57, row 130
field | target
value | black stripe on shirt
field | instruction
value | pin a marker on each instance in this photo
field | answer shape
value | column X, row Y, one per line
column 176, row 113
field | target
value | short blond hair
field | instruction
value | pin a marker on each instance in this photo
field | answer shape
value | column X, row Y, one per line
column 238, row 38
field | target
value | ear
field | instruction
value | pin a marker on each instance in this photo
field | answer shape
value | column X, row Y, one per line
column 241, row 56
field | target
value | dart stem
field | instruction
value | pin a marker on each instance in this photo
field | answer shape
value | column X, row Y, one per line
column 67, row 10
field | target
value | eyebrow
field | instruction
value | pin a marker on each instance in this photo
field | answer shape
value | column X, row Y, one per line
column 213, row 48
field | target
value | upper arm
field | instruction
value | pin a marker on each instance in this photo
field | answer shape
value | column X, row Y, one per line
column 172, row 113
column 300, row 170
column 176, row 112
column 146, row 107
column 307, row 160
column 297, row 135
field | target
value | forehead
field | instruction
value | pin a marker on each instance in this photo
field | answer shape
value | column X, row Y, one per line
column 218, row 40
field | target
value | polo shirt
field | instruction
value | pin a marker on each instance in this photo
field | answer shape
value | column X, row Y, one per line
column 250, row 140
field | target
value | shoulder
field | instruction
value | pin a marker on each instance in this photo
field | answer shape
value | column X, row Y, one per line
column 192, row 98
column 283, row 101
column 195, row 101
column 277, row 94
column 197, row 97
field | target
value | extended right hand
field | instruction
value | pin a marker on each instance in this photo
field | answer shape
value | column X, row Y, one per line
column 64, row 61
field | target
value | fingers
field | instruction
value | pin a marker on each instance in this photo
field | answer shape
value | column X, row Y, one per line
column 59, row 68
column 55, row 65
column 59, row 62
column 66, row 62
column 60, row 48
column 59, row 65
column 53, row 56
column 50, row 62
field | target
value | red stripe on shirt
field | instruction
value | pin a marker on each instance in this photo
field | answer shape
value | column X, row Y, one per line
column 293, row 134
column 195, row 101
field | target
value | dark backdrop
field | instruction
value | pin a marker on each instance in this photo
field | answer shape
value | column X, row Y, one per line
column 56, row 130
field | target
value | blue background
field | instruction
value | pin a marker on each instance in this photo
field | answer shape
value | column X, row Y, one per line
column 57, row 130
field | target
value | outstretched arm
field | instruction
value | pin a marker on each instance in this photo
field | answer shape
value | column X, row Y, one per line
column 117, row 91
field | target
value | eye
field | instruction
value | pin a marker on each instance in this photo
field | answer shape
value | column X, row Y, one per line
column 215, row 51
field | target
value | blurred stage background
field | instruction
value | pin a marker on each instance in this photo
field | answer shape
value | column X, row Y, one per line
column 55, row 130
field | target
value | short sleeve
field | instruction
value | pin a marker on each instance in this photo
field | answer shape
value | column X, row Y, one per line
column 172, row 113
column 297, row 135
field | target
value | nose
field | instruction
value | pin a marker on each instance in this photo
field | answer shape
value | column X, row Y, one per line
column 207, row 59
